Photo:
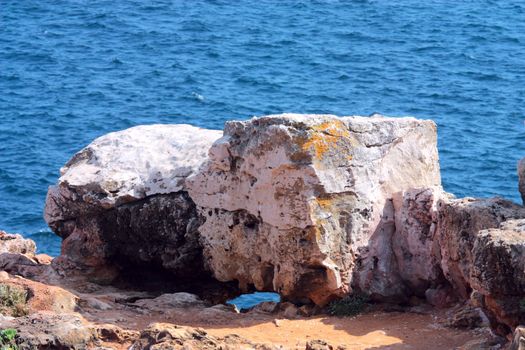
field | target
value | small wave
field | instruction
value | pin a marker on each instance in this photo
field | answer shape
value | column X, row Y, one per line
column 194, row 26
column 478, row 38
column 197, row 96
column 427, row 48
column 480, row 76
column 95, row 25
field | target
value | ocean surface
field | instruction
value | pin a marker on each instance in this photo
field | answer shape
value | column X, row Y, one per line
column 74, row 70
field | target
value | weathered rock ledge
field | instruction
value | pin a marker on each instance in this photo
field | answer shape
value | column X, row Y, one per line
column 51, row 312
column 314, row 207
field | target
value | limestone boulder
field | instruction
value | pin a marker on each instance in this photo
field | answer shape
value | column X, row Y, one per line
column 122, row 201
column 16, row 244
column 498, row 273
column 303, row 204
column 49, row 330
column 458, row 225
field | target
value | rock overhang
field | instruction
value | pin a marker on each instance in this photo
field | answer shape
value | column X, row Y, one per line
column 123, row 199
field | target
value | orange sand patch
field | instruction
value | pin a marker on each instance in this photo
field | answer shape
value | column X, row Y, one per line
column 370, row 331
column 291, row 333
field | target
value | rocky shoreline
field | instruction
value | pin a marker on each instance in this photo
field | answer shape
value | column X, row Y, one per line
column 164, row 223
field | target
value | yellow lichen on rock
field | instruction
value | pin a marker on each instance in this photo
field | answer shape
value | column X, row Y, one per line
column 325, row 136
column 324, row 203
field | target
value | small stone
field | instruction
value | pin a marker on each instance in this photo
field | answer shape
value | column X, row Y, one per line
column 288, row 310
column 308, row 310
column 265, row 306
column 112, row 333
column 173, row 300
column 96, row 303
column 467, row 317
column 4, row 276
column 43, row 259
column 318, row 345
column 518, row 340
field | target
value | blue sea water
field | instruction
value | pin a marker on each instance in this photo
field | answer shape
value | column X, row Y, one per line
column 74, row 70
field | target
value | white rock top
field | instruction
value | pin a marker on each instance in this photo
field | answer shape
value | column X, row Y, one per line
column 131, row 164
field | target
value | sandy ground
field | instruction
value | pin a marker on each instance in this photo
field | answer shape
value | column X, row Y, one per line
column 423, row 329
column 378, row 330
column 369, row 331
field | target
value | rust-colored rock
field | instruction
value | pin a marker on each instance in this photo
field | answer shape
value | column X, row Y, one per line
column 49, row 330
column 498, row 273
column 459, row 222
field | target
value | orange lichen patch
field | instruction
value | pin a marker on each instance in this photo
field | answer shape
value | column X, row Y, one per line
column 324, row 203
column 325, row 137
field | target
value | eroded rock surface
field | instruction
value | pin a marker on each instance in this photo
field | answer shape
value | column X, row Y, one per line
column 38, row 296
column 459, row 222
column 416, row 249
column 48, row 330
column 302, row 204
column 498, row 273
column 122, row 201
column 168, row 336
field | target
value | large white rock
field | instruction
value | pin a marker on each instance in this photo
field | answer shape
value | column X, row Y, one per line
column 302, row 204
column 128, row 165
column 123, row 200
